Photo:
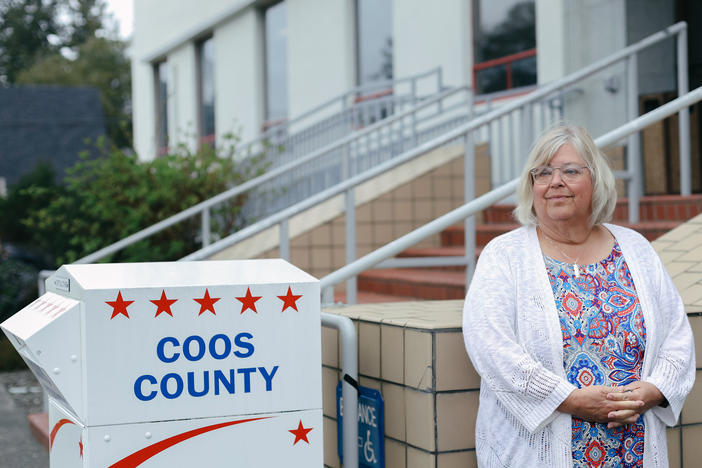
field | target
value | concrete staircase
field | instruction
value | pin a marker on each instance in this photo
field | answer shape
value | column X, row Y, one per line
column 657, row 214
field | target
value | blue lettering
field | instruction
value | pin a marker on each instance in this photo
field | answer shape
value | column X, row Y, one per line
column 164, row 386
column 249, row 347
column 219, row 377
column 205, row 384
column 268, row 377
column 227, row 346
column 247, row 371
column 186, row 348
column 160, row 349
column 137, row 388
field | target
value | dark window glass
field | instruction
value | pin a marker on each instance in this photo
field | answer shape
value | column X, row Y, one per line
column 206, row 81
column 276, row 62
column 504, row 44
column 374, row 28
column 161, row 75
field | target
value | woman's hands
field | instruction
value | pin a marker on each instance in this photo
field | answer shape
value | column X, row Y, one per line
column 644, row 392
column 594, row 404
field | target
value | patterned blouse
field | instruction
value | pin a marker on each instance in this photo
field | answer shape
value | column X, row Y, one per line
column 604, row 337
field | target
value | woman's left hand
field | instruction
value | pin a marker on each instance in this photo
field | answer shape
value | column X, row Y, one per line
column 642, row 391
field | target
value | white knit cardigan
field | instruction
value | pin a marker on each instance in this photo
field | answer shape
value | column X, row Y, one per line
column 513, row 337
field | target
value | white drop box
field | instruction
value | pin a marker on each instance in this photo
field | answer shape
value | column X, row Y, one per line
column 136, row 355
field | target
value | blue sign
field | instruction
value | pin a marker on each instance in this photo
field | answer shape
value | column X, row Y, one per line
column 371, row 427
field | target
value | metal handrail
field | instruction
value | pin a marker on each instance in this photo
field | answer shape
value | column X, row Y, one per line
column 268, row 176
column 505, row 109
column 480, row 203
column 342, row 99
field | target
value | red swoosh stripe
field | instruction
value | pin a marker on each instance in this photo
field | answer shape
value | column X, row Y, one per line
column 56, row 428
column 137, row 458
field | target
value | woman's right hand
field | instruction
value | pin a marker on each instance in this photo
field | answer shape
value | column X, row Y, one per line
column 591, row 404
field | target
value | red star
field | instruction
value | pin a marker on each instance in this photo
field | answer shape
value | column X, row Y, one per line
column 289, row 300
column 164, row 304
column 119, row 306
column 300, row 433
column 248, row 301
column 80, row 444
column 207, row 303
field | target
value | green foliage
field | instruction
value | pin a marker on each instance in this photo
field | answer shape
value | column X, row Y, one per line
column 18, row 285
column 34, row 190
column 100, row 63
column 115, row 195
column 26, row 27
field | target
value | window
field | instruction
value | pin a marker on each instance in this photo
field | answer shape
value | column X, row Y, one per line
column 374, row 32
column 504, row 44
column 206, row 91
column 276, row 63
column 161, row 93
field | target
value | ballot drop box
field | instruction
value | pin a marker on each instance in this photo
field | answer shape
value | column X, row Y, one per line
column 179, row 364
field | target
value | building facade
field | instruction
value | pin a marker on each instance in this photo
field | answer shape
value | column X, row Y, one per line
column 204, row 69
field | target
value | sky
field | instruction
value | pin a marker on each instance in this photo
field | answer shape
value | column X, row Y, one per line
column 122, row 11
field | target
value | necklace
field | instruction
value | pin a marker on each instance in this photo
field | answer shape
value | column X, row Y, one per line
column 576, row 268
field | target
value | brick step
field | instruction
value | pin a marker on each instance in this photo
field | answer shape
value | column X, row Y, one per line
column 414, row 283
column 651, row 208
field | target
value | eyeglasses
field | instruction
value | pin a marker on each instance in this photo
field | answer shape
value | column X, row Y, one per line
column 570, row 173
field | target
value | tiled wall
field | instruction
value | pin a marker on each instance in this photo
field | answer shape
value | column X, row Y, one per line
column 413, row 353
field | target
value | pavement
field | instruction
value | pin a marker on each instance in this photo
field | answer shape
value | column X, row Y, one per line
column 20, row 395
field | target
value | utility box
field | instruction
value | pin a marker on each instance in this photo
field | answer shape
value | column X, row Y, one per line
column 178, row 364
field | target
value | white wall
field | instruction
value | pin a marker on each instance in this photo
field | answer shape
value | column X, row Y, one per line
column 572, row 34
column 321, row 51
column 239, row 76
column 433, row 34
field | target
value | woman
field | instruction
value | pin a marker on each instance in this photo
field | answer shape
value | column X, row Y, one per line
column 576, row 329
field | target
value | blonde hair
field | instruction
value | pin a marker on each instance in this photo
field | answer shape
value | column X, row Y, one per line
column 604, row 194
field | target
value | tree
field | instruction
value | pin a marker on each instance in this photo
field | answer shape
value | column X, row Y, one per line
column 28, row 30
column 101, row 63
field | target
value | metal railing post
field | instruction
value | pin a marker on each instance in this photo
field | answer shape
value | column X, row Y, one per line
column 683, row 116
column 469, row 194
column 633, row 165
column 527, row 132
column 351, row 283
column 284, row 239
column 205, row 227
column 349, row 394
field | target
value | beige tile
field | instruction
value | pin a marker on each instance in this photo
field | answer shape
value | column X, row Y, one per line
column 364, row 213
column 370, row 383
column 321, row 258
column 419, row 459
column 395, row 454
column 677, row 267
column 382, row 210
column 369, row 349
column 392, row 353
column 692, row 294
column 455, row 416
column 418, row 359
column 321, row 235
column 403, row 210
column 453, row 368
column 673, row 436
column 691, row 446
column 457, row 460
column 395, row 420
column 697, row 268
column 422, row 187
column 330, row 378
column 692, row 410
column 419, row 416
column 685, row 280
column 330, row 347
column 691, row 243
column 424, row 210
column 383, row 233
column 331, row 453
